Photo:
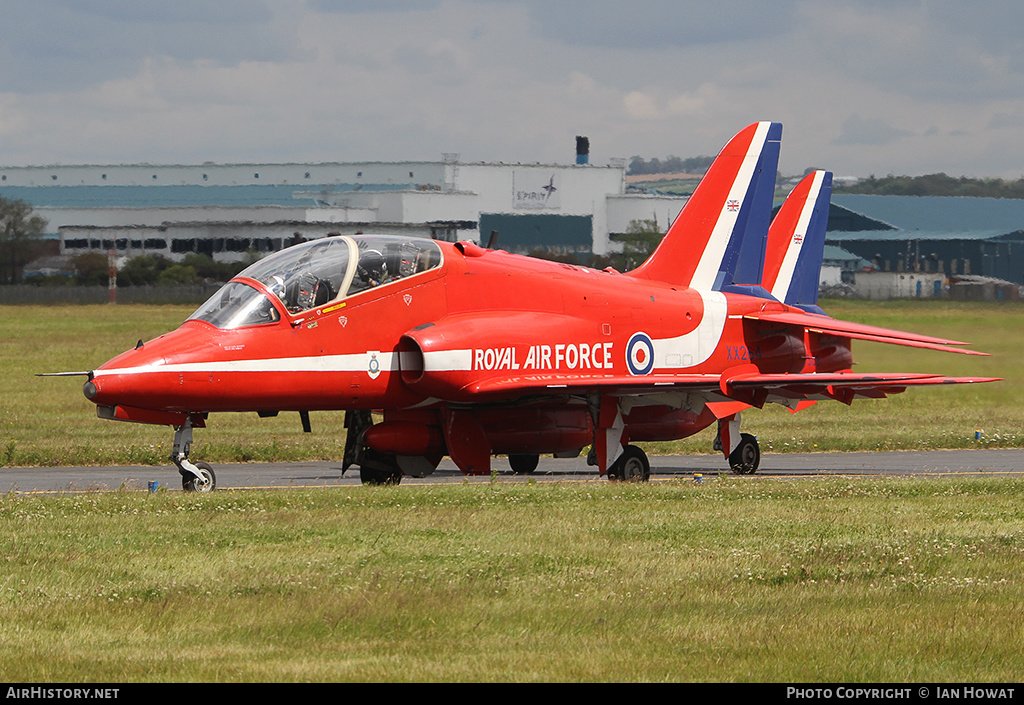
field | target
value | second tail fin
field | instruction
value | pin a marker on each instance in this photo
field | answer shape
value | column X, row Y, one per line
column 796, row 242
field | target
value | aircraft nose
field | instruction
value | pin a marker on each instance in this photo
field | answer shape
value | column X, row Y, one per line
column 89, row 389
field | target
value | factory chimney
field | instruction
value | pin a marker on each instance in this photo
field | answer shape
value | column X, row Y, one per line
column 582, row 150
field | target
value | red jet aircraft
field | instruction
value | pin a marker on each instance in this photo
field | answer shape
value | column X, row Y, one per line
column 470, row 352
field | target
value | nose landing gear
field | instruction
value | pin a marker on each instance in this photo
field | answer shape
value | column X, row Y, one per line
column 197, row 477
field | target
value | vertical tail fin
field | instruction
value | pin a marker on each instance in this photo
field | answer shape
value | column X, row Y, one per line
column 724, row 223
column 796, row 242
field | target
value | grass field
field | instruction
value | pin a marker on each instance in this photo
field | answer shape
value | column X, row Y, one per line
column 829, row 580
column 47, row 421
column 737, row 579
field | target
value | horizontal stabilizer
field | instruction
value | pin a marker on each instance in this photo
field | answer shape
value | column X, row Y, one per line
column 816, row 323
column 792, row 389
column 847, row 379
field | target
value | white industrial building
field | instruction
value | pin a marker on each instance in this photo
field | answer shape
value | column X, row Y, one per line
column 226, row 210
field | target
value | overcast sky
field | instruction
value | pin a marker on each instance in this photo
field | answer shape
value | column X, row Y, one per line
column 861, row 86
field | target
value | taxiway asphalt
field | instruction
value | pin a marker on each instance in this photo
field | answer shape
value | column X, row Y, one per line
column 663, row 468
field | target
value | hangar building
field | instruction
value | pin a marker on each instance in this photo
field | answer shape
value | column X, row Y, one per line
column 932, row 234
column 225, row 210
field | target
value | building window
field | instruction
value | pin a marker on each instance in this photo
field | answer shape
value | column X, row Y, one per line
column 307, row 174
column 205, row 177
column 256, row 175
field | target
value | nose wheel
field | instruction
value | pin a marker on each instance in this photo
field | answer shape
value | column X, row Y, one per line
column 205, row 481
column 195, row 477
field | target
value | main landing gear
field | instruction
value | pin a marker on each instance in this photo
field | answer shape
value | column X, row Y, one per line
column 378, row 469
column 197, row 477
column 631, row 466
column 746, row 457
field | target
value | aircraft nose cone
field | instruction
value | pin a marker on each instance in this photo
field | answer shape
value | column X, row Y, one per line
column 89, row 390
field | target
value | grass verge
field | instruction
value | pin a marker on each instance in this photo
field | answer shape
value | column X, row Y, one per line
column 825, row 580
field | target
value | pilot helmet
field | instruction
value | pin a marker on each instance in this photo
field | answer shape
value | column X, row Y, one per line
column 372, row 265
column 276, row 286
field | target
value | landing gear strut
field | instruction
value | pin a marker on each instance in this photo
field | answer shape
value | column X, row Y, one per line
column 198, row 477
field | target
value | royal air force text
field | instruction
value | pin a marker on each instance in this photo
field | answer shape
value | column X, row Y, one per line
column 571, row 356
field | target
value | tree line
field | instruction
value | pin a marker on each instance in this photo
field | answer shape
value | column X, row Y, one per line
column 92, row 268
column 21, row 242
column 669, row 165
column 934, row 185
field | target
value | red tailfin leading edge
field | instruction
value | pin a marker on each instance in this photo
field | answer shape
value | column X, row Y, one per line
column 726, row 218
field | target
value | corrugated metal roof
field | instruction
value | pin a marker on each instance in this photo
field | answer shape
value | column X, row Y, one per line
column 904, row 235
column 176, row 195
column 937, row 217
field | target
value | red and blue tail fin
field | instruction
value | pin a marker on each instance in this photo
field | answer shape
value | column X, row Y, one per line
column 723, row 226
column 796, row 243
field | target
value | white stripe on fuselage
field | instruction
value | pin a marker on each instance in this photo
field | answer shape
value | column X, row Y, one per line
column 687, row 350
column 698, row 345
column 356, row 362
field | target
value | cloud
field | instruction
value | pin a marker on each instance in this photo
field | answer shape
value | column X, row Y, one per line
column 64, row 45
column 857, row 131
column 656, row 24
column 862, row 86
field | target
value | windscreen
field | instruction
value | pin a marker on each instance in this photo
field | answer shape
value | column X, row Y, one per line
column 317, row 272
column 236, row 305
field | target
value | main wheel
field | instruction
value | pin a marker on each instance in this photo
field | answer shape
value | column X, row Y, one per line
column 746, row 457
column 379, row 469
column 632, row 466
column 206, row 483
column 523, row 464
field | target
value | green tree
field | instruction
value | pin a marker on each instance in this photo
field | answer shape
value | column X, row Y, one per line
column 20, row 233
column 142, row 270
column 178, row 274
column 91, row 269
column 639, row 241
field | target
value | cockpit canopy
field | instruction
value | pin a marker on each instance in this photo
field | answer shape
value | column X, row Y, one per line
column 315, row 273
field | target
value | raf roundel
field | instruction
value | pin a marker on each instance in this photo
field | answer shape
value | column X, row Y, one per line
column 640, row 354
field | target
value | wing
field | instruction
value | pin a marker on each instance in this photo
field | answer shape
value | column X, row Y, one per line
column 745, row 385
